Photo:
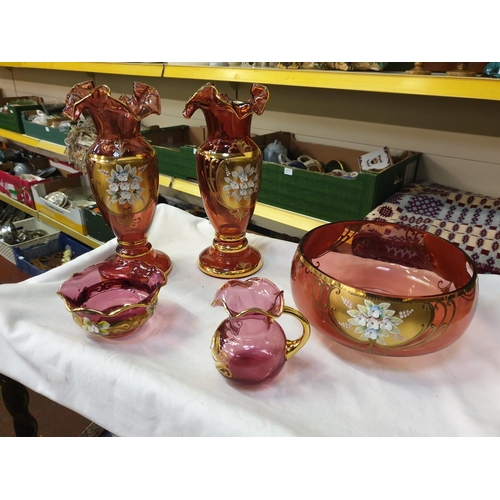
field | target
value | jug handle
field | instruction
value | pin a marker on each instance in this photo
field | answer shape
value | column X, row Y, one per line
column 293, row 346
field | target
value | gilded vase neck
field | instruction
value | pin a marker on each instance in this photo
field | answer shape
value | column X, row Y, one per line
column 223, row 124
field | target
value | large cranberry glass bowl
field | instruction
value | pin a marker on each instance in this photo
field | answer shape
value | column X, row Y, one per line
column 383, row 288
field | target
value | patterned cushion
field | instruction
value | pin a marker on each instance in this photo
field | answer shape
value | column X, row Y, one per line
column 470, row 221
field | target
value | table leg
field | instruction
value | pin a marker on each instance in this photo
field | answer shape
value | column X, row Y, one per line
column 16, row 399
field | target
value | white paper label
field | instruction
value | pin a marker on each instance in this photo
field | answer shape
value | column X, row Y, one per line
column 288, row 171
column 376, row 160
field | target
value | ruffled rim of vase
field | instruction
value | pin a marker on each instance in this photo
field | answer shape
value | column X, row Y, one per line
column 144, row 101
column 208, row 95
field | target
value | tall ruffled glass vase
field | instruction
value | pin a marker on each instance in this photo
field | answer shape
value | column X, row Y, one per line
column 228, row 165
column 123, row 170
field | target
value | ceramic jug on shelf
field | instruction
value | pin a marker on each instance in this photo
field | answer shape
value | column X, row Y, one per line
column 273, row 150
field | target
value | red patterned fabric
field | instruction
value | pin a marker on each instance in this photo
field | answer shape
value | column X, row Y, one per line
column 390, row 244
column 470, row 221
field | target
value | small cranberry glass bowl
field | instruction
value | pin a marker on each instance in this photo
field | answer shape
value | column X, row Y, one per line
column 112, row 307
column 250, row 347
column 383, row 288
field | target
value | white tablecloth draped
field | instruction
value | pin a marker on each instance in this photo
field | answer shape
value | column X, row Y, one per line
column 162, row 381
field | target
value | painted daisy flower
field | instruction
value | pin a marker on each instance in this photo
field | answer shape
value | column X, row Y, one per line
column 241, row 183
column 124, row 185
column 100, row 328
column 375, row 321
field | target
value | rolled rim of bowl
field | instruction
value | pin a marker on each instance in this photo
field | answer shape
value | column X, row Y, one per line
column 307, row 261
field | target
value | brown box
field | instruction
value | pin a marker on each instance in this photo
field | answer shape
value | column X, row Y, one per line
column 176, row 149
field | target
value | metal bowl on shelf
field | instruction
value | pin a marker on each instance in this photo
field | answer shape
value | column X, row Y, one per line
column 8, row 232
column 383, row 288
column 23, row 168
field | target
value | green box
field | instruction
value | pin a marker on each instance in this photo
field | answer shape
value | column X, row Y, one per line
column 96, row 225
column 309, row 193
column 44, row 132
column 324, row 196
column 176, row 149
column 11, row 119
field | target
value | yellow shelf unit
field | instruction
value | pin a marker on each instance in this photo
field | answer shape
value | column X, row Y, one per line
column 131, row 69
column 396, row 83
column 285, row 217
column 268, row 212
column 19, row 205
column 32, row 142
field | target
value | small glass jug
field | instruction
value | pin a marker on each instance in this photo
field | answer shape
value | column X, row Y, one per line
column 250, row 347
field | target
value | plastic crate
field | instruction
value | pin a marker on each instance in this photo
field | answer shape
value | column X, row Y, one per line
column 11, row 118
column 30, row 224
column 24, row 255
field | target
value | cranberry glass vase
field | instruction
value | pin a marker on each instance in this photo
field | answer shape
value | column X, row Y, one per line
column 250, row 347
column 123, row 170
column 228, row 167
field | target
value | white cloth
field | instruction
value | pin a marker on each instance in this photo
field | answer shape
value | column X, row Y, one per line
column 162, row 381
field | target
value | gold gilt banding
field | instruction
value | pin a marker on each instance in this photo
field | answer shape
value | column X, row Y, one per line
column 230, row 249
column 240, row 272
column 132, row 243
column 134, row 256
column 151, row 301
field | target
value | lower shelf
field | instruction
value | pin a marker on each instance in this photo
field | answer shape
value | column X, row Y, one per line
column 91, row 242
column 268, row 212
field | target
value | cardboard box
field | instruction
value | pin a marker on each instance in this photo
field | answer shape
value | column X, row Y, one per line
column 323, row 196
column 47, row 132
column 11, row 119
column 19, row 189
column 71, row 217
column 176, row 149
column 65, row 169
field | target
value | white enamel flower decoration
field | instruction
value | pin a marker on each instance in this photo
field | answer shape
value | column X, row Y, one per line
column 124, row 185
column 376, row 321
column 100, row 328
column 241, row 182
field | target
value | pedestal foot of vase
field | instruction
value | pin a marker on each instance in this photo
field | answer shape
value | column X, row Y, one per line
column 125, row 256
column 118, row 265
column 230, row 258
